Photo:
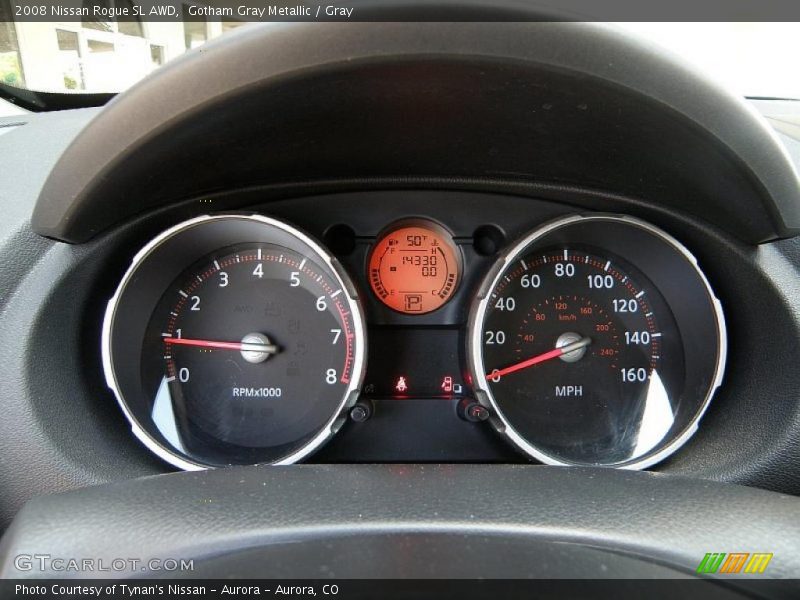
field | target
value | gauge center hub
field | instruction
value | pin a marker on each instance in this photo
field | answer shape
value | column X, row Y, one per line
column 565, row 339
column 257, row 347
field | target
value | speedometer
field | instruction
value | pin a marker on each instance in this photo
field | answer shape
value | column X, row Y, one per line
column 597, row 340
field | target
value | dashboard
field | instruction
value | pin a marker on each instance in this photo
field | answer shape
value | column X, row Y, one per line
column 239, row 339
column 367, row 302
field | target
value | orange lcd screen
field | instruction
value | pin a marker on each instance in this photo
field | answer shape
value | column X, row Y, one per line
column 414, row 268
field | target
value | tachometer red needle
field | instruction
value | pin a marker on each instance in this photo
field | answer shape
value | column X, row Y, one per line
column 241, row 346
column 555, row 353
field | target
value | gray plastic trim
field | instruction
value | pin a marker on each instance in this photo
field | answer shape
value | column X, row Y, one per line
column 276, row 52
column 663, row 520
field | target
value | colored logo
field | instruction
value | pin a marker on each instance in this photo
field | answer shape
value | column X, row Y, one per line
column 734, row 562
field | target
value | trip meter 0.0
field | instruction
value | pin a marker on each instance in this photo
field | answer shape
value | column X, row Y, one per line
column 414, row 267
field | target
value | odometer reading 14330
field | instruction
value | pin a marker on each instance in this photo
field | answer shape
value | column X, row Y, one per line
column 414, row 267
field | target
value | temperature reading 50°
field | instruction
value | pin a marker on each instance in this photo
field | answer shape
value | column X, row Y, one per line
column 415, row 267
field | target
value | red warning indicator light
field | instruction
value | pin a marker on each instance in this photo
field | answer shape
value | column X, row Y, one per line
column 447, row 384
column 401, row 385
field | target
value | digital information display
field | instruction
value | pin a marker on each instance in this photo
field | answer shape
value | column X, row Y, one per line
column 415, row 267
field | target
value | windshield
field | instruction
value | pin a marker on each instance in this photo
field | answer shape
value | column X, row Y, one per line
column 752, row 59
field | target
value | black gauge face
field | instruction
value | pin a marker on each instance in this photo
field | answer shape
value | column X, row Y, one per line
column 582, row 356
column 250, row 347
column 246, row 356
column 615, row 324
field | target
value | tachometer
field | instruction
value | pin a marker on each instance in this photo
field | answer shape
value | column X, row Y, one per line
column 597, row 340
column 248, row 354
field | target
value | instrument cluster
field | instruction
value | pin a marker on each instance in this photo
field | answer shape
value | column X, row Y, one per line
column 584, row 339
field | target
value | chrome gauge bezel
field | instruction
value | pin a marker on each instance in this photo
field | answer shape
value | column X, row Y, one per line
column 478, row 314
column 350, row 394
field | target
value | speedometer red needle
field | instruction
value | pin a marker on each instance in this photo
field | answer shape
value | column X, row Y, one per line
column 241, row 346
column 555, row 353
